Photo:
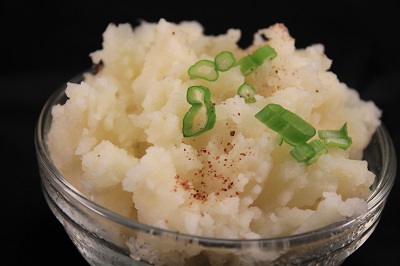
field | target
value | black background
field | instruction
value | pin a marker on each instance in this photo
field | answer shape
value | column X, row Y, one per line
column 42, row 45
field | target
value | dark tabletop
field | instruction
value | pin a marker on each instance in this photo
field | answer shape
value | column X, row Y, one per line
column 42, row 46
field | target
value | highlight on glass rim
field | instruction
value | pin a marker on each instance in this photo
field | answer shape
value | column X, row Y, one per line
column 180, row 148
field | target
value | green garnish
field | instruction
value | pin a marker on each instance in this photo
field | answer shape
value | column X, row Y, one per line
column 296, row 132
column 336, row 138
column 201, row 116
column 247, row 92
column 263, row 53
column 309, row 152
column 303, row 152
column 247, row 65
column 291, row 127
column 319, row 149
column 224, row 61
column 204, row 69
column 250, row 63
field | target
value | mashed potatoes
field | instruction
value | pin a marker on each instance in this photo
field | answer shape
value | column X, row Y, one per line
column 119, row 140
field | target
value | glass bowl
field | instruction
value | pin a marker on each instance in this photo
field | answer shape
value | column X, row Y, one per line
column 106, row 238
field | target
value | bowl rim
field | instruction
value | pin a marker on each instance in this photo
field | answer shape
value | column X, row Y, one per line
column 379, row 195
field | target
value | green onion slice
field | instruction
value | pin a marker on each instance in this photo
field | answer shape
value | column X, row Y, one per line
column 224, row 61
column 280, row 140
column 249, row 64
column 204, row 69
column 247, row 92
column 201, row 116
column 309, row 152
column 336, row 138
column 319, row 149
column 263, row 53
column 303, row 152
column 294, row 129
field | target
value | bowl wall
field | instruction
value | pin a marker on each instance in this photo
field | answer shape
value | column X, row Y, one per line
column 106, row 238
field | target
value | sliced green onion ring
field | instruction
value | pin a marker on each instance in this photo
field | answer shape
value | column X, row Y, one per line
column 280, row 140
column 263, row 53
column 336, row 138
column 224, row 61
column 204, row 69
column 294, row 129
column 201, row 116
column 247, row 65
column 247, row 92
column 302, row 152
column 250, row 63
column 338, row 142
column 319, row 149
column 309, row 152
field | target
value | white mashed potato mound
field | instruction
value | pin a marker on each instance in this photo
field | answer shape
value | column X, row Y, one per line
column 118, row 138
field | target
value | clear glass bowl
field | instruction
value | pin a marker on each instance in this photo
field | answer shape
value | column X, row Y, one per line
column 106, row 238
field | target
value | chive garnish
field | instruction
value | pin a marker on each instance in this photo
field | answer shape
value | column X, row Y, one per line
column 204, row 69
column 201, row 115
column 291, row 127
column 250, row 63
column 224, row 61
column 336, row 138
column 247, row 92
